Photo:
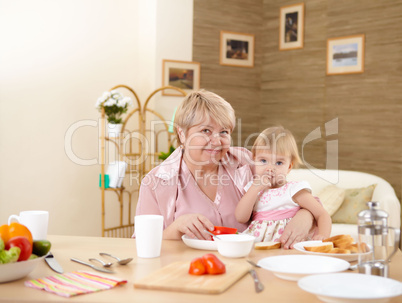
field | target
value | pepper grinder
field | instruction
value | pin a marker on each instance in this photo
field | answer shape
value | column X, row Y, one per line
column 375, row 241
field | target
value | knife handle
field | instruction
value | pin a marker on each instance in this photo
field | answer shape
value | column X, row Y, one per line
column 257, row 283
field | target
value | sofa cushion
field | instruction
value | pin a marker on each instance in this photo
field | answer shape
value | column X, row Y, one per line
column 354, row 202
column 331, row 198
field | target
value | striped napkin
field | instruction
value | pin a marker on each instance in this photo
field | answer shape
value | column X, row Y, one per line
column 74, row 283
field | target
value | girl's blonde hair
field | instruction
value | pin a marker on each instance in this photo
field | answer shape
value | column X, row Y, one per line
column 200, row 106
column 279, row 141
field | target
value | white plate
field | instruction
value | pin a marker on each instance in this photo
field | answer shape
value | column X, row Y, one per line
column 14, row 271
column 347, row 257
column 294, row 267
column 199, row 244
column 351, row 287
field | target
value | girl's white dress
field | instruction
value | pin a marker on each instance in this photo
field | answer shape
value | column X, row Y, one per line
column 273, row 210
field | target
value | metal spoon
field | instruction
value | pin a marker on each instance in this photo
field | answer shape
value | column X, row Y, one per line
column 92, row 266
column 103, row 263
column 213, row 236
column 120, row 261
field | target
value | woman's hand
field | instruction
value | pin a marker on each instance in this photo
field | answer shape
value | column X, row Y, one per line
column 192, row 225
column 297, row 229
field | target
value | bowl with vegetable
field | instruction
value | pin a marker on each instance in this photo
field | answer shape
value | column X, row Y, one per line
column 19, row 253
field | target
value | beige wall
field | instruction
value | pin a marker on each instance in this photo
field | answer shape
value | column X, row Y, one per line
column 291, row 87
column 56, row 59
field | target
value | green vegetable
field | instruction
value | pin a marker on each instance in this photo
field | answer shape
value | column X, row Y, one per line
column 10, row 256
column 1, row 244
column 32, row 256
column 41, row 247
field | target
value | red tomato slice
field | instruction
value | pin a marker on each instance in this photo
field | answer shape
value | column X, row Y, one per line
column 197, row 267
column 214, row 266
column 24, row 244
column 222, row 230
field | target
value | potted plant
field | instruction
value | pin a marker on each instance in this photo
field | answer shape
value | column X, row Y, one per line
column 115, row 105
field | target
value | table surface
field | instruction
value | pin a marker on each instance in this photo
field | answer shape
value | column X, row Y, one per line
column 65, row 247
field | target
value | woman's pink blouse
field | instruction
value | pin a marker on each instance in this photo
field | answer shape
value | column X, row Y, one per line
column 170, row 190
column 191, row 199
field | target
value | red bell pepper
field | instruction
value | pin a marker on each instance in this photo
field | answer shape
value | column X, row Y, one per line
column 222, row 230
column 214, row 266
column 197, row 267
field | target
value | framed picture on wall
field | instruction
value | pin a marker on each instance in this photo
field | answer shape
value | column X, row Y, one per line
column 237, row 49
column 345, row 55
column 181, row 74
column 291, row 27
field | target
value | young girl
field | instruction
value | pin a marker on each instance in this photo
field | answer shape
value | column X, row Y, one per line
column 270, row 200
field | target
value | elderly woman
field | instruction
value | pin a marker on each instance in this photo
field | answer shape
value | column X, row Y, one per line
column 202, row 181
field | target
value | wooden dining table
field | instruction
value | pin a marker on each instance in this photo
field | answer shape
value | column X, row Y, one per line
column 66, row 247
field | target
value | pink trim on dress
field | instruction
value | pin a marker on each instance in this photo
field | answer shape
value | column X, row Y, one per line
column 275, row 214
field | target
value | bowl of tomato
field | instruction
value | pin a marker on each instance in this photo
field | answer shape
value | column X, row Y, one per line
column 235, row 245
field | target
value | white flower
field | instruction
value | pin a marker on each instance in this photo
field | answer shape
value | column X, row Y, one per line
column 110, row 102
column 99, row 102
column 106, row 95
column 124, row 101
column 116, row 95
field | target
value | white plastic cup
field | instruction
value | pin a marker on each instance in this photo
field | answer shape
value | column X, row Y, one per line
column 148, row 235
column 35, row 220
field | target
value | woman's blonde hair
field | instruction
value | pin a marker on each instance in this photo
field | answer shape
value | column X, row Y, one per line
column 200, row 106
column 279, row 141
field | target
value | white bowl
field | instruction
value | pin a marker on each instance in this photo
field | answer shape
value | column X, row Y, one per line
column 14, row 271
column 235, row 246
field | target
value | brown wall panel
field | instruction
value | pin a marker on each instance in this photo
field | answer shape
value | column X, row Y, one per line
column 291, row 87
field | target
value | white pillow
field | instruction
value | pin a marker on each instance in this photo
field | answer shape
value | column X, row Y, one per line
column 332, row 198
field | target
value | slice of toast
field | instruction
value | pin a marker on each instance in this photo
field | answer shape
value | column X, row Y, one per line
column 323, row 247
column 337, row 250
column 267, row 245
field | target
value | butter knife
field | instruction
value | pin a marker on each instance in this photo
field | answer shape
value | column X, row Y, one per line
column 53, row 264
column 257, row 283
column 93, row 266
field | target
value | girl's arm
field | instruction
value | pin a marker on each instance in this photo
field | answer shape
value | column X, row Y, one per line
column 246, row 204
column 324, row 223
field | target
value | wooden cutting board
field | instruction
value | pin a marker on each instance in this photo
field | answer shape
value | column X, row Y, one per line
column 175, row 277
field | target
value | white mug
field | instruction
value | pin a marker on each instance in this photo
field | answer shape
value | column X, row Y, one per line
column 148, row 235
column 35, row 220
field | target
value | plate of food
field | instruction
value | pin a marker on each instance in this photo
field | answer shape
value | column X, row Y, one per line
column 295, row 267
column 351, row 287
column 341, row 246
column 199, row 244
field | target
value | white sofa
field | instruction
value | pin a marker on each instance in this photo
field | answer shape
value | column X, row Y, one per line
column 383, row 192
